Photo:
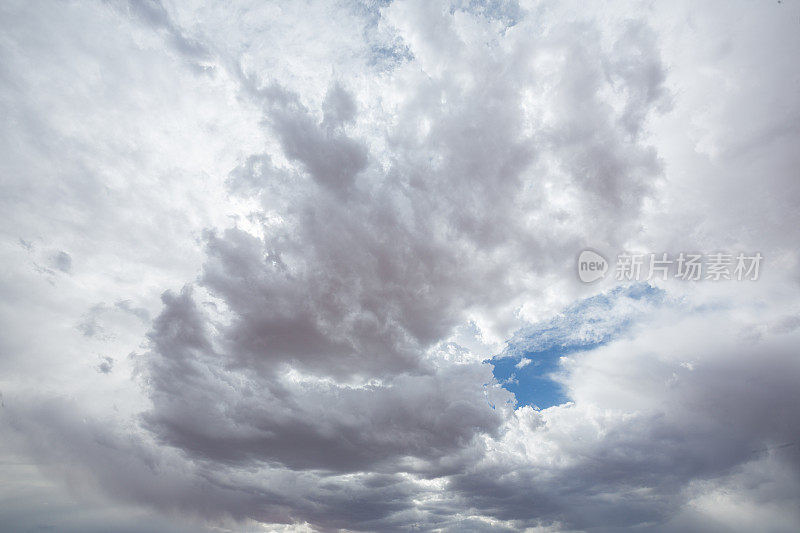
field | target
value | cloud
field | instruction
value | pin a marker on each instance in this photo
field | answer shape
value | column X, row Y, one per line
column 208, row 404
column 106, row 365
column 63, row 261
column 301, row 229
column 330, row 157
column 643, row 430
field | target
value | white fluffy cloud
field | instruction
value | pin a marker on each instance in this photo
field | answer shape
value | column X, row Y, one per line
column 256, row 255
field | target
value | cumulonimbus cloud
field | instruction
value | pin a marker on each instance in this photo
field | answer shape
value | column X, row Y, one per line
column 434, row 172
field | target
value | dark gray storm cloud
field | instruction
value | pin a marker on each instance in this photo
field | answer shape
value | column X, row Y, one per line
column 224, row 410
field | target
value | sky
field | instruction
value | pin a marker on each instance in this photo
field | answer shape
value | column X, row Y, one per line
column 312, row 266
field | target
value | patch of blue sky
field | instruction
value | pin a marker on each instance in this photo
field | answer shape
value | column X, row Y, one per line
column 389, row 56
column 387, row 50
column 508, row 12
column 531, row 357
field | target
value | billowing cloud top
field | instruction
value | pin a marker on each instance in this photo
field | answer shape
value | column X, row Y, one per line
column 311, row 266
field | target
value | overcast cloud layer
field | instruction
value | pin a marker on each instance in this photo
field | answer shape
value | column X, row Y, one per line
column 260, row 261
